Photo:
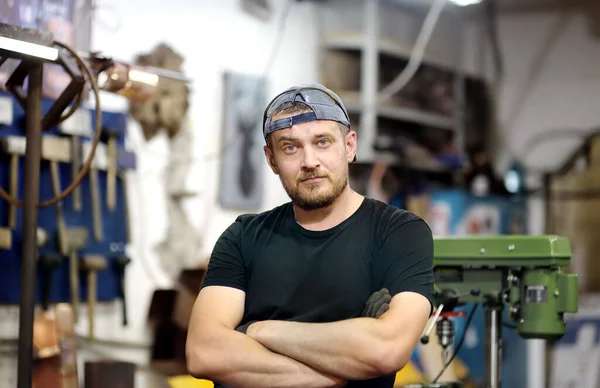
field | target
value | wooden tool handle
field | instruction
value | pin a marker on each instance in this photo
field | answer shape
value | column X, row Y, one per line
column 91, row 302
column 111, row 174
column 60, row 220
column 96, row 209
column 74, row 283
column 75, row 165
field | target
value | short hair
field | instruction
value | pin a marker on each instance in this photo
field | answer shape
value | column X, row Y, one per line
column 296, row 108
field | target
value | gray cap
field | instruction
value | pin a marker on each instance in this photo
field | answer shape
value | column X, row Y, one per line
column 325, row 105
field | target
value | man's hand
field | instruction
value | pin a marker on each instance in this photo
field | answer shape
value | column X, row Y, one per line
column 377, row 304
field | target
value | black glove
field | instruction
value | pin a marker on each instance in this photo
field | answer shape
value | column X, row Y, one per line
column 377, row 304
column 243, row 328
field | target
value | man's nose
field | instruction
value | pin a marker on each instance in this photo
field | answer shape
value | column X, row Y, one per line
column 310, row 160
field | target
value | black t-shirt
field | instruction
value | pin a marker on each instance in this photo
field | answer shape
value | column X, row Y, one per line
column 291, row 273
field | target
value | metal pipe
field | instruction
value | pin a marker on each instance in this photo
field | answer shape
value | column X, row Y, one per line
column 493, row 347
column 367, row 132
column 30, row 220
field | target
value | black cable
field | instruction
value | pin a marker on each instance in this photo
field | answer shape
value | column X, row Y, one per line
column 460, row 343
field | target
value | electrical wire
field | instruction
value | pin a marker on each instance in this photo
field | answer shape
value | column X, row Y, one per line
column 459, row 344
column 418, row 51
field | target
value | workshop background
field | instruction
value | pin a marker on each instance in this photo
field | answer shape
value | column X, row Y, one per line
column 496, row 123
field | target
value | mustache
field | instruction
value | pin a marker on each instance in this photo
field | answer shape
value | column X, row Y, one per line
column 313, row 174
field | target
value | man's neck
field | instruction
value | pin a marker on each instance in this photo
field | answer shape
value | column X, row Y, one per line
column 325, row 218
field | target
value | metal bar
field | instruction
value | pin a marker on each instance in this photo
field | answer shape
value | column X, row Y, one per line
column 369, row 82
column 30, row 220
column 493, row 347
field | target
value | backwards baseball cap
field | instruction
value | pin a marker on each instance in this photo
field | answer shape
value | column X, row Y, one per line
column 324, row 103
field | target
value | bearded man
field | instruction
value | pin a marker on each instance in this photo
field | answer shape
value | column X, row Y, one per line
column 331, row 289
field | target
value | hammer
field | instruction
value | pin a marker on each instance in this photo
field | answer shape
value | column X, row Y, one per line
column 55, row 150
column 48, row 264
column 111, row 135
column 119, row 265
column 92, row 264
column 77, row 239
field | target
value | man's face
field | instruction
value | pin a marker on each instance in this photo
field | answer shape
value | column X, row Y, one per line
column 312, row 160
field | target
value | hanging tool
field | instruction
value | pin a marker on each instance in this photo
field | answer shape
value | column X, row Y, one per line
column 119, row 265
column 126, row 160
column 55, row 150
column 77, row 239
column 77, row 126
column 14, row 146
column 42, row 236
column 5, row 238
column 92, row 264
column 111, row 135
column 99, row 163
column 48, row 263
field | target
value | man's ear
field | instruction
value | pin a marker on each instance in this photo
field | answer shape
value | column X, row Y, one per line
column 271, row 159
column 351, row 146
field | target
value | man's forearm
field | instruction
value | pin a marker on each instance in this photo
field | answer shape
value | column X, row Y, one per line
column 235, row 360
column 353, row 349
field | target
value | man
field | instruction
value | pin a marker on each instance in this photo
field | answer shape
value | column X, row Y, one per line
column 283, row 300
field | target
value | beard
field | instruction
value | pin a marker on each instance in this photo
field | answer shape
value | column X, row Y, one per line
column 310, row 196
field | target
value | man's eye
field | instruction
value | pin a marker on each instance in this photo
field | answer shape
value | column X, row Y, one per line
column 323, row 142
column 289, row 148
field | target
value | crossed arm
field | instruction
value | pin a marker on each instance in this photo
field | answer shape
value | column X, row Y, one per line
column 291, row 354
column 215, row 351
column 353, row 349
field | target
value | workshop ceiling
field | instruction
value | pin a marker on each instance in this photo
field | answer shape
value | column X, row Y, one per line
column 590, row 8
column 541, row 5
column 515, row 6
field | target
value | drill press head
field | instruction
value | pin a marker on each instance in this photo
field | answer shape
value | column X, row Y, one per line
column 524, row 273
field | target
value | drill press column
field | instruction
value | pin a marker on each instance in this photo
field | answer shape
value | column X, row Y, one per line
column 493, row 346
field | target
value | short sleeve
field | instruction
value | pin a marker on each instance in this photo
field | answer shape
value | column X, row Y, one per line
column 226, row 264
column 405, row 260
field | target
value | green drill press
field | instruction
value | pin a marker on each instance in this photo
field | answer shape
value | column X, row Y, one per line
column 523, row 274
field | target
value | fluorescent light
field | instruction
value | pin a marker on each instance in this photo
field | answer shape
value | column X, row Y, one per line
column 464, row 3
column 31, row 49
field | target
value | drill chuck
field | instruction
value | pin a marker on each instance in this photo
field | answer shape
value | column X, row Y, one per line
column 445, row 332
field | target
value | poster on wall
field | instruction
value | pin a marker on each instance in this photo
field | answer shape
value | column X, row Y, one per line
column 241, row 184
